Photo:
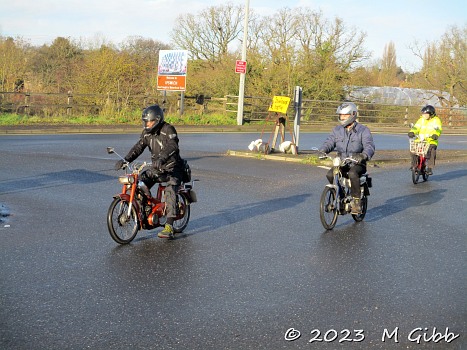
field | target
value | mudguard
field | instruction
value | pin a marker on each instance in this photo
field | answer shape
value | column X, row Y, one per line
column 126, row 197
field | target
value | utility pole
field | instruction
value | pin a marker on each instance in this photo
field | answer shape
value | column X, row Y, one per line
column 241, row 88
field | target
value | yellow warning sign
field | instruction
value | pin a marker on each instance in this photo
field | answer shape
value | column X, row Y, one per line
column 280, row 104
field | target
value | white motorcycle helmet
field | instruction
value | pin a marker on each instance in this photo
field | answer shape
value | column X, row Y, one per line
column 347, row 108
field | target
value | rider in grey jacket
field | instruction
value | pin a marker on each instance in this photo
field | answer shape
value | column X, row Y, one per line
column 350, row 139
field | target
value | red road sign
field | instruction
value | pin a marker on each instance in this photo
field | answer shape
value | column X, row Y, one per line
column 240, row 66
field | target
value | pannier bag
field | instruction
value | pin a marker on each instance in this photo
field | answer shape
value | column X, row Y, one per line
column 186, row 172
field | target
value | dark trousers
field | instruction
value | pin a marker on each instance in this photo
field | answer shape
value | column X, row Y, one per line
column 353, row 173
column 150, row 178
column 430, row 157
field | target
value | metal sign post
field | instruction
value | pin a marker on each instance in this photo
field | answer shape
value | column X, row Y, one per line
column 298, row 113
column 241, row 88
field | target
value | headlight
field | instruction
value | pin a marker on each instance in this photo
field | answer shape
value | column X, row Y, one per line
column 126, row 179
column 336, row 161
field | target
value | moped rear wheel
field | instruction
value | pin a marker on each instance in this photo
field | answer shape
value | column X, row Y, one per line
column 122, row 228
column 364, row 204
column 184, row 208
column 328, row 209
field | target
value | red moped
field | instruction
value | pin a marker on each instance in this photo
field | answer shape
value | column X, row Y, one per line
column 135, row 208
column 420, row 149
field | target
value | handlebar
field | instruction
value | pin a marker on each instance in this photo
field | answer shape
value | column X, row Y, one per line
column 133, row 167
column 342, row 162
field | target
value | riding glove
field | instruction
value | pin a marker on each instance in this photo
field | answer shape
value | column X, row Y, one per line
column 119, row 164
column 360, row 157
column 157, row 164
column 411, row 134
column 434, row 137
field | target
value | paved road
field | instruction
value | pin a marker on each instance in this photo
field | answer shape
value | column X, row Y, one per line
column 253, row 266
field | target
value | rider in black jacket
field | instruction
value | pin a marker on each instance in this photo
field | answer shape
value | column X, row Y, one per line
column 162, row 140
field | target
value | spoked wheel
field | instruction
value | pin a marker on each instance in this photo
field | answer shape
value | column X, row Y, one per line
column 184, row 208
column 328, row 208
column 122, row 228
column 364, row 204
column 415, row 175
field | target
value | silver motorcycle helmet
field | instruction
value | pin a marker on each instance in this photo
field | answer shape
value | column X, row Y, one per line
column 347, row 108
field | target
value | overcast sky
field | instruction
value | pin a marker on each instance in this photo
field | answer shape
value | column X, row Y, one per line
column 400, row 21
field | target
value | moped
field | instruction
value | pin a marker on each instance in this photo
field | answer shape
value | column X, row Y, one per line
column 420, row 148
column 336, row 198
column 134, row 208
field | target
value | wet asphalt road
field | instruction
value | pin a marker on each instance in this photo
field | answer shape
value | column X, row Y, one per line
column 253, row 266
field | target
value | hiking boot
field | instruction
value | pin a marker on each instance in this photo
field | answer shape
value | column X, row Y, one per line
column 167, row 232
column 429, row 171
column 355, row 206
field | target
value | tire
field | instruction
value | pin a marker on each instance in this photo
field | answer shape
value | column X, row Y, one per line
column 415, row 175
column 121, row 228
column 328, row 209
column 424, row 174
column 364, row 204
column 185, row 209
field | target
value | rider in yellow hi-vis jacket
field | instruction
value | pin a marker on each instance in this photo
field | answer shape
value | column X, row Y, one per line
column 428, row 127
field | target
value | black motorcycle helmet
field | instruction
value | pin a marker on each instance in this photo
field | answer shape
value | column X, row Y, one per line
column 152, row 113
column 429, row 109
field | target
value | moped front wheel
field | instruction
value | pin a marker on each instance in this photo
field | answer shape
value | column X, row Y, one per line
column 328, row 208
column 424, row 173
column 415, row 175
column 122, row 227
column 184, row 209
column 364, row 205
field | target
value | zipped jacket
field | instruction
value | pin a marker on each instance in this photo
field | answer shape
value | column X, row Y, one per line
column 162, row 144
column 426, row 128
column 348, row 142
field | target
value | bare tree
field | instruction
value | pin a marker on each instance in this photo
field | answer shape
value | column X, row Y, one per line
column 207, row 35
column 327, row 53
column 277, row 35
column 388, row 69
column 445, row 67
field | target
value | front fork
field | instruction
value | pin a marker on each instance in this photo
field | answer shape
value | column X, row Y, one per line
column 129, row 198
column 340, row 193
column 421, row 163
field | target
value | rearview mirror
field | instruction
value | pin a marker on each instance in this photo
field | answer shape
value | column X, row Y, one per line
column 110, row 150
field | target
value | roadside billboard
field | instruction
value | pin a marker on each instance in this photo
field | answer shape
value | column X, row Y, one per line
column 172, row 69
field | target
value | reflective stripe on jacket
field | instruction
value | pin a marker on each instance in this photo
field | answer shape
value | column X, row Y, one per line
column 162, row 144
column 426, row 128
